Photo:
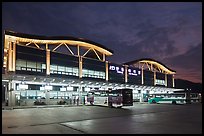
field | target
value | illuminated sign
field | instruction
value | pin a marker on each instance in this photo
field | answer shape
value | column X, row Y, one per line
column 160, row 82
column 118, row 69
column 47, row 87
column 69, row 88
column 23, row 86
column 87, row 89
column 42, row 88
column 134, row 72
column 63, row 89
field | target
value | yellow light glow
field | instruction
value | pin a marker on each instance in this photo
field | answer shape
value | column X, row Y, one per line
column 70, row 42
column 159, row 65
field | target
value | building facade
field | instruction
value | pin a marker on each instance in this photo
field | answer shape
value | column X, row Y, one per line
column 55, row 68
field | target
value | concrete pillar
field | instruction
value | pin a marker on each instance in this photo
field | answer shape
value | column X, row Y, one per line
column 126, row 73
column 6, row 92
column 106, row 70
column 47, row 62
column 173, row 80
column 166, row 80
column 142, row 76
column 10, row 57
column 80, row 94
column 11, row 94
column 14, row 57
column 80, row 67
column 47, row 97
column 141, row 97
column 154, row 77
column 104, row 57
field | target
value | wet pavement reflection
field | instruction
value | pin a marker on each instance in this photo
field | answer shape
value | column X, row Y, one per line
column 137, row 119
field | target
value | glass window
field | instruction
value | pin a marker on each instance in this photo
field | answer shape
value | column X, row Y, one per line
column 31, row 94
column 53, row 67
column 40, row 94
column 31, row 64
column 84, row 71
column 60, row 94
column 76, row 71
column 39, row 65
column 96, row 73
column 53, row 94
column 23, row 94
column 21, row 63
column 68, row 69
column 18, row 68
column 44, row 66
column 91, row 72
column 61, row 68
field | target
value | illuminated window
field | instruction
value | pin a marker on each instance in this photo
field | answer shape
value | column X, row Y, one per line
column 92, row 73
column 20, row 63
column 43, row 66
column 31, row 64
column 53, row 67
column 61, row 68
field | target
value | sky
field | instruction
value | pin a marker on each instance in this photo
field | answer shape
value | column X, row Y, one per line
column 168, row 32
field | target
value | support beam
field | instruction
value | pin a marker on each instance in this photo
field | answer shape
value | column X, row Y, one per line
column 173, row 80
column 126, row 73
column 47, row 62
column 104, row 57
column 165, row 79
column 80, row 67
column 78, row 50
column 142, row 75
column 96, row 54
column 106, row 70
column 10, row 57
column 86, row 52
column 14, row 57
column 154, row 77
column 69, row 49
column 57, row 47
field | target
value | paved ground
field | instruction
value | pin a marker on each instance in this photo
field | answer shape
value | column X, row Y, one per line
column 137, row 119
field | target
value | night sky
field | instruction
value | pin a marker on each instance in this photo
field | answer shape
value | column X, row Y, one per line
column 169, row 32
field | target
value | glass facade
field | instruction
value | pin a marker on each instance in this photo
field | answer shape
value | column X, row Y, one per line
column 77, row 78
column 148, row 78
column 32, row 66
column 93, row 69
column 116, row 73
column 134, row 75
column 64, row 65
column 30, row 60
column 169, row 81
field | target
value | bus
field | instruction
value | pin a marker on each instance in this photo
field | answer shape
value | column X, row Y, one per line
column 195, row 97
column 111, row 98
column 173, row 98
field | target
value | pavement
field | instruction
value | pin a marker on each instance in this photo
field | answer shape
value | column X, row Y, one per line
column 136, row 119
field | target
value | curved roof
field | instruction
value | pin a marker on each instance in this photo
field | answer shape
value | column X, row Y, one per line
column 57, row 39
column 154, row 62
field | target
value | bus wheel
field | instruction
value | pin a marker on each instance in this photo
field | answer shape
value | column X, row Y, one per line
column 173, row 102
column 153, row 101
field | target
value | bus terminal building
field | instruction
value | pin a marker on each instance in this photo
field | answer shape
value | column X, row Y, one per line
column 55, row 68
